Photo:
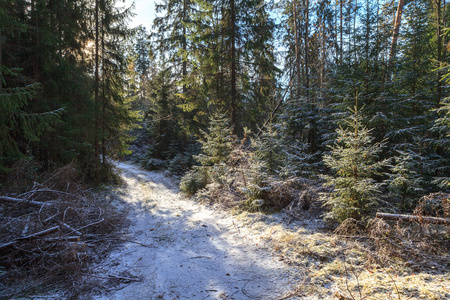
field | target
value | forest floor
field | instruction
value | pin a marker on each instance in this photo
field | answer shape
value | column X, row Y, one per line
column 178, row 248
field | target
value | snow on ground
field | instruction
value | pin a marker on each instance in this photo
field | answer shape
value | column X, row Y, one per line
column 181, row 249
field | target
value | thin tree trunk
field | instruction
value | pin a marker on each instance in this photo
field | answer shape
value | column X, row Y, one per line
column 366, row 48
column 1, row 61
column 410, row 218
column 414, row 51
column 297, row 48
column 103, row 98
column 354, row 32
column 397, row 22
column 1, row 89
column 439, row 48
column 341, row 45
column 233, row 64
column 307, row 48
column 96, row 78
column 184, row 66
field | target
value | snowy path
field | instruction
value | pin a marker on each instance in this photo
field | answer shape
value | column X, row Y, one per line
column 191, row 252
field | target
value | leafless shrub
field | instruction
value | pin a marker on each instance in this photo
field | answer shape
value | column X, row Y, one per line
column 419, row 245
column 435, row 205
column 225, row 195
column 281, row 194
column 351, row 227
column 306, row 203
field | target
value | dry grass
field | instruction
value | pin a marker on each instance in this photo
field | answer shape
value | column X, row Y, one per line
column 355, row 261
column 358, row 260
column 49, row 238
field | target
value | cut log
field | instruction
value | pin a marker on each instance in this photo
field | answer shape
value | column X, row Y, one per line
column 18, row 201
column 410, row 218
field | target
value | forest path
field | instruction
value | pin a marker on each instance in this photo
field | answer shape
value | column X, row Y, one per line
column 181, row 249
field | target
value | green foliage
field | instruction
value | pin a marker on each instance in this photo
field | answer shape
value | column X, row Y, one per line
column 181, row 163
column 442, row 126
column 194, row 180
column 404, row 182
column 216, row 148
column 154, row 164
column 269, row 148
column 258, row 180
column 218, row 142
column 353, row 160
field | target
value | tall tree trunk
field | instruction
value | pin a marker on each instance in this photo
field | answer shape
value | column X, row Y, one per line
column 1, row 89
column 341, row 45
column 297, row 48
column 396, row 30
column 307, row 47
column 366, row 48
column 184, row 66
column 355, row 58
column 96, row 78
column 439, row 48
column 1, row 61
column 233, row 64
column 36, row 42
column 103, row 98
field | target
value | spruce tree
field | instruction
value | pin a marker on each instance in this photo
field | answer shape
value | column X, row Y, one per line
column 404, row 182
column 18, row 124
column 353, row 160
column 442, row 127
column 217, row 144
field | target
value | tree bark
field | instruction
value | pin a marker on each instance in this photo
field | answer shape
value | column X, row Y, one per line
column 419, row 219
column 341, row 46
column 96, row 78
column 1, row 61
column 29, row 237
column 396, row 30
column 20, row 201
column 439, row 48
column 103, row 98
column 307, row 48
column 233, row 64
column 297, row 48
column 184, row 45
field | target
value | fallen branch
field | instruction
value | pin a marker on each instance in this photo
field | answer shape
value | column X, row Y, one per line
column 32, row 192
column 18, row 201
column 29, row 237
column 70, row 228
column 92, row 224
column 410, row 218
column 62, row 239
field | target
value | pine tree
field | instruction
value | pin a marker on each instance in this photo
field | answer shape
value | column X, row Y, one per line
column 353, row 160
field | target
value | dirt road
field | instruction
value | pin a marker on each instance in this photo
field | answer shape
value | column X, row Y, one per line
column 180, row 249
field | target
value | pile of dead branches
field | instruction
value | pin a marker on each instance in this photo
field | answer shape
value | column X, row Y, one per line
column 421, row 239
column 50, row 233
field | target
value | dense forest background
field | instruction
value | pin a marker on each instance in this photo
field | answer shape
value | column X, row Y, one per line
column 353, row 93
